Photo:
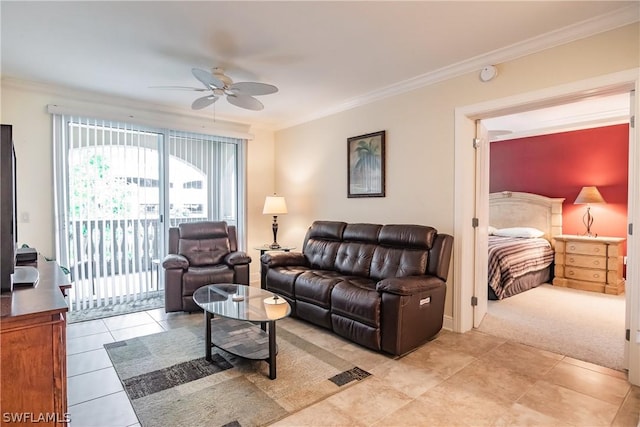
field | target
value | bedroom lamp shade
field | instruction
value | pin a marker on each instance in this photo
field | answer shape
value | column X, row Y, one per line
column 274, row 205
column 588, row 196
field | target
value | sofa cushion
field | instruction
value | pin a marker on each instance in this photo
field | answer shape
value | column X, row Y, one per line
column 364, row 233
column 407, row 236
column 392, row 262
column 326, row 230
column 281, row 279
column 357, row 332
column 314, row 286
column 204, row 242
column 197, row 277
column 204, row 251
column 354, row 258
column 356, row 298
column 313, row 313
column 321, row 243
column 321, row 254
column 203, row 229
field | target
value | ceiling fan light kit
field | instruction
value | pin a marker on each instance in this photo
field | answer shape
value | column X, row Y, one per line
column 240, row 94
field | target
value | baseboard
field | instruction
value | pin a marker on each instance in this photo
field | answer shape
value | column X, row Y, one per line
column 447, row 323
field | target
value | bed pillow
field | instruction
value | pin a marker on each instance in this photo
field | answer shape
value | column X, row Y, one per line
column 526, row 232
column 492, row 230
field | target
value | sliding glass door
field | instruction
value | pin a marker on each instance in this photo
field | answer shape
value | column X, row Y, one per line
column 115, row 185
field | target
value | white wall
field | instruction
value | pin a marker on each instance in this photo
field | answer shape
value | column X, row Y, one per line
column 311, row 158
column 25, row 107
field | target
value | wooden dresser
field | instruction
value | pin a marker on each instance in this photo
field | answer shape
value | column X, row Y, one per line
column 589, row 263
column 33, row 355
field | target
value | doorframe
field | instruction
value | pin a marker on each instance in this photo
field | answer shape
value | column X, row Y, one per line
column 465, row 177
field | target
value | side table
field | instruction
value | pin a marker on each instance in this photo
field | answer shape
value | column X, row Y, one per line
column 267, row 248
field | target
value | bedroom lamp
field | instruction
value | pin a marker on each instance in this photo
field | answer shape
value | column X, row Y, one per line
column 588, row 196
column 274, row 205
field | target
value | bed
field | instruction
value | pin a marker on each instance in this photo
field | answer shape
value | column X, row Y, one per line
column 522, row 227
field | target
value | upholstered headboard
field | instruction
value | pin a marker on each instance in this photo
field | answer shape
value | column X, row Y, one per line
column 515, row 209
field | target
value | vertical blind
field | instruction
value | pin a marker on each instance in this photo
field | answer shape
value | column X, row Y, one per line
column 114, row 185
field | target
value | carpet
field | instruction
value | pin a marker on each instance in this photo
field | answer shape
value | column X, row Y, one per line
column 584, row 325
column 154, row 300
column 170, row 384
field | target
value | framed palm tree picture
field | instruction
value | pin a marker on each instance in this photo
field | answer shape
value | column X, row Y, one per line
column 365, row 165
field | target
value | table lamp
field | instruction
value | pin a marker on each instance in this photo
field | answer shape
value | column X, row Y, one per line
column 589, row 195
column 274, row 205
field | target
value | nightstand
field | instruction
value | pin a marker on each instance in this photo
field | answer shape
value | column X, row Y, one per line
column 589, row 263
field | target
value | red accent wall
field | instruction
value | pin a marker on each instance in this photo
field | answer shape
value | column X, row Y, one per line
column 559, row 165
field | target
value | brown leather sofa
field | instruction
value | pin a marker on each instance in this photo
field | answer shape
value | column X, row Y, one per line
column 381, row 286
column 201, row 253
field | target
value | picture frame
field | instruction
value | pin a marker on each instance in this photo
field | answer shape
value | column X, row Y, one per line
column 366, row 165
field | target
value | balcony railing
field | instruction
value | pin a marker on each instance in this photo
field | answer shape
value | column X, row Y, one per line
column 115, row 260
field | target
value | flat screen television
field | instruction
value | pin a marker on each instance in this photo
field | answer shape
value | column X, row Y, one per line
column 8, row 208
column 10, row 275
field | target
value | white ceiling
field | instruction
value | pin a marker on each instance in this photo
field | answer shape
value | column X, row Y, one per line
column 323, row 56
column 586, row 113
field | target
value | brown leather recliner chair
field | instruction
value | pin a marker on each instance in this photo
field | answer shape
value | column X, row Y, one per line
column 201, row 253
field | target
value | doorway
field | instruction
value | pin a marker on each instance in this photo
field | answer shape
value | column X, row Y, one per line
column 466, row 256
column 582, row 324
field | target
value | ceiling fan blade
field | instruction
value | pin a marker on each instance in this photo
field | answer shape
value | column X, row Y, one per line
column 207, row 79
column 203, row 102
column 253, row 88
column 244, row 101
column 197, row 89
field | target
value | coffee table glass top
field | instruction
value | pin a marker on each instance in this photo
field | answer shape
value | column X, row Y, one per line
column 241, row 302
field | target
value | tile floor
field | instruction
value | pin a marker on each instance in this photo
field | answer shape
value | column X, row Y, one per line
column 470, row 379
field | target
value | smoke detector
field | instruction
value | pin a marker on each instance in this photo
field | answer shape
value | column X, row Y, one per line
column 488, row 73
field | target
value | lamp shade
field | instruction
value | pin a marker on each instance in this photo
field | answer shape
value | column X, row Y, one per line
column 589, row 195
column 274, row 205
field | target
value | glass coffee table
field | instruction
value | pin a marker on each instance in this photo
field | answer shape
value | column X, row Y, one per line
column 245, row 306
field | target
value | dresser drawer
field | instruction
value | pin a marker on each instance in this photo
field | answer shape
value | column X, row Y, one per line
column 579, row 273
column 585, row 248
column 596, row 262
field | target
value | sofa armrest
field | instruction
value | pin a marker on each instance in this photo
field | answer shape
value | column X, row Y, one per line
column 409, row 285
column 281, row 259
column 175, row 261
column 237, row 258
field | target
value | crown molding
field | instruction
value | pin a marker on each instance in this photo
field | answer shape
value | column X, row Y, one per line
column 68, row 100
column 616, row 19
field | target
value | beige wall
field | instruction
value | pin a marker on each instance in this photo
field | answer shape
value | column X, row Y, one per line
column 310, row 160
column 25, row 107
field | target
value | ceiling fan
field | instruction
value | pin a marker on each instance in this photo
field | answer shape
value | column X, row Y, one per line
column 240, row 94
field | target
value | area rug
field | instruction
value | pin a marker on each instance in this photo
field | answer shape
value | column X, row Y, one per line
column 142, row 304
column 583, row 325
column 170, row 384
